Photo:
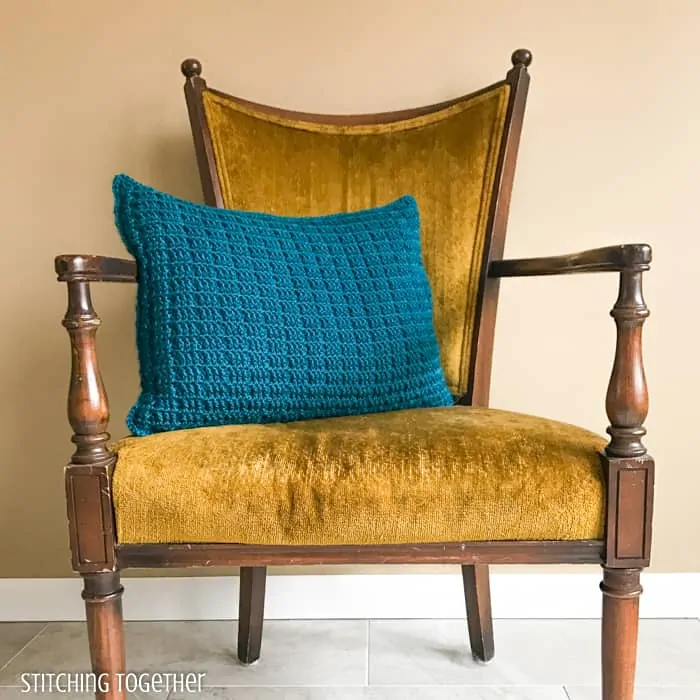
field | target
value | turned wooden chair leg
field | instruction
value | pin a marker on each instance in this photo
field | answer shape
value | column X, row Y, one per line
column 251, row 610
column 621, row 591
column 103, row 607
column 477, row 594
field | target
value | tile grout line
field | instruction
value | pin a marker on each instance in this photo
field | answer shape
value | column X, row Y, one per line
column 369, row 622
column 14, row 656
column 394, row 686
column 399, row 686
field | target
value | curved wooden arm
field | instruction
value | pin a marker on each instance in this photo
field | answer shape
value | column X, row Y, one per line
column 611, row 259
column 95, row 268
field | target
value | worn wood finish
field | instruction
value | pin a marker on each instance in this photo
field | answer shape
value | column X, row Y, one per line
column 334, row 119
column 88, row 409
column 477, row 595
column 88, row 476
column 91, row 525
column 487, row 300
column 206, row 555
column 621, row 591
column 628, row 524
column 627, row 400
column 251, row 612
column 102, row 594
column 95, row 268
column 204, row 151
column 629, row 470
column 629, row 473
column 610, row 259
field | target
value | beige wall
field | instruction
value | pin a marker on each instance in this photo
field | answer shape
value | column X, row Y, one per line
column 610, row 154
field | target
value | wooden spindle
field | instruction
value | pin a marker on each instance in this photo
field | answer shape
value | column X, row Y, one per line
column 627, row 401
column 88, row 409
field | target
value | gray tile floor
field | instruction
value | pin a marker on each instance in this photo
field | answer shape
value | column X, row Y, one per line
column 376, row 660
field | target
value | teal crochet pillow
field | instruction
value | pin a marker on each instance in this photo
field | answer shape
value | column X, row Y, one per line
column 254, row 318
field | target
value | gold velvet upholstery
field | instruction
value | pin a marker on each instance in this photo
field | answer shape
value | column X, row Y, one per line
column 422, row 475
column 447, row 159
column 429, row 475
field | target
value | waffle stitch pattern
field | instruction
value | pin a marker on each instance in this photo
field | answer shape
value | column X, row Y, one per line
column 256, row 318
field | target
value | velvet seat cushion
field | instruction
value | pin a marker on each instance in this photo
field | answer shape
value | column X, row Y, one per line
column 422, row 475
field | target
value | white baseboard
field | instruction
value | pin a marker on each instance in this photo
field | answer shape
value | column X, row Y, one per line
column 356, row 596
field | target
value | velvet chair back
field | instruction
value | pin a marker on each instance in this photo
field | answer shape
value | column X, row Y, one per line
column 258, row 158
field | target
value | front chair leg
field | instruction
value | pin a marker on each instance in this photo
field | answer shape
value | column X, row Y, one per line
column 251, row 609
column 103, row 607
column 477, row 594
column 621, row 591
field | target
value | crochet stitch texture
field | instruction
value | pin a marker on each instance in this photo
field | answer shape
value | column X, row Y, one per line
column 255, row 318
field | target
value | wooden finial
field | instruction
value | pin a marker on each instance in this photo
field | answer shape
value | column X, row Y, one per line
column 521, row 57
column 191, row 68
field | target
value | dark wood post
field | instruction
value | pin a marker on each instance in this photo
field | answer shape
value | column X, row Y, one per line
column 629, row 472
column 102, row 594
column 89, row 497
column 195, row 85
column 477, row 595
column 251, row 611
column 621, row 591
column 89, row 474
column 88, row 409
column 627, row 400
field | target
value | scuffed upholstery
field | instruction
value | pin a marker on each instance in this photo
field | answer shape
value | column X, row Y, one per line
column 423, row 475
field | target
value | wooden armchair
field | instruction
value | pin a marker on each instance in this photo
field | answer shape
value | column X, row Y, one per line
column 458, row 159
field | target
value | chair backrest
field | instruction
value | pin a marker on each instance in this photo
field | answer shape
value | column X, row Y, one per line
column 456, row 158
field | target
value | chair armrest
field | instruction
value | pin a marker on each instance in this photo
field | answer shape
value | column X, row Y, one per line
column 95, row 268
column 627, row 401
column 88, row 408
column 628, row 469
column 88, row 476
column 615, row 258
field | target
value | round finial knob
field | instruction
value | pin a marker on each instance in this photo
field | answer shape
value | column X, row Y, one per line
column 191, row 68
column 521, row 57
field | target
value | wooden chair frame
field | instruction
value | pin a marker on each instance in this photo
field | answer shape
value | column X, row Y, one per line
column 628, row 469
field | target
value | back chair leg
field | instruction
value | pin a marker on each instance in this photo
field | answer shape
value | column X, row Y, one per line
column 103, row 607
column 477, row 594
column 251, row 610
column 621, row 591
